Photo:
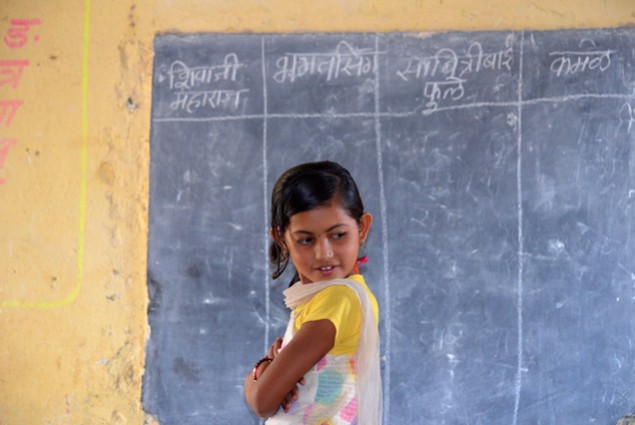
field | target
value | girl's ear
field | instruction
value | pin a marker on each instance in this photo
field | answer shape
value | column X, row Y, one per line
column 364, row 226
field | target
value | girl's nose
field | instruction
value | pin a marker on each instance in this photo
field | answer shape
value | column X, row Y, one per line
column 323, row 249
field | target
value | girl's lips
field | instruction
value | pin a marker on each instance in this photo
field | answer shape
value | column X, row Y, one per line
column 326, row 270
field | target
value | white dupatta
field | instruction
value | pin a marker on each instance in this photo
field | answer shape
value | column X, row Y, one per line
column 368, row 382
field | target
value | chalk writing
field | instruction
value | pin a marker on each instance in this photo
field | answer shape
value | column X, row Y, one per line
column 451, row 88
column 17, row 33
column 183, row 77
column 444, row 62
column 5, row 145
column 475, row 59
column 573, row 62
column 192, row 101
column 627, row 114
column 444, row 71
column 449, row 64
column 11, row 71
column 345, row 61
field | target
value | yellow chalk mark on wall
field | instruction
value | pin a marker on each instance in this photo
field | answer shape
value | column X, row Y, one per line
column 83, row 187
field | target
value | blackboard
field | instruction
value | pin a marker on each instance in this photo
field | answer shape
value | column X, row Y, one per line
column 500, row 168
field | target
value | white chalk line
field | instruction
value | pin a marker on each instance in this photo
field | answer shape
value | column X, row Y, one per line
column 265, row 171
column 384, row 237
column 519, row 287
column 373, row 115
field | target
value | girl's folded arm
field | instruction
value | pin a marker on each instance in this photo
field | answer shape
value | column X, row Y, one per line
column 276, row 380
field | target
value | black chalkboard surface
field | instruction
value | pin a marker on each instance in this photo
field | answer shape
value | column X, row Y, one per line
column 500, row 168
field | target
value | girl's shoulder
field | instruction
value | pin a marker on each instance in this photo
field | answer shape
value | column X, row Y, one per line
column 339, row 298
column 336, row 295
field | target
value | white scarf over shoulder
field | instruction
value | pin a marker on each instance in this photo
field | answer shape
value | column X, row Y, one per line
column 368, row 383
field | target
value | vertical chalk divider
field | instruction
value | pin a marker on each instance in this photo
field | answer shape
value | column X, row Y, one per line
column 384, row 237
column 519, row 187
column 265, row 172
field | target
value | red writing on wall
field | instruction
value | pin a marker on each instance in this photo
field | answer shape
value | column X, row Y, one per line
column 19, row 33
column 5, row 145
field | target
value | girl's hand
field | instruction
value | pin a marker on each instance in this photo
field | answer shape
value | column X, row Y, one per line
column 275, row 348
column 278, row 381
column 293, row 395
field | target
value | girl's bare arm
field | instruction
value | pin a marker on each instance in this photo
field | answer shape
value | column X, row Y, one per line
column 277, row 379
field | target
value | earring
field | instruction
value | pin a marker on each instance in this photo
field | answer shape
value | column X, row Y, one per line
column 363, row 259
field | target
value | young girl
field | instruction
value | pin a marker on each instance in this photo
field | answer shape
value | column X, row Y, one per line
column 326, row 368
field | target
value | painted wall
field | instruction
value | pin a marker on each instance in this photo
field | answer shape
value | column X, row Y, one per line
column 75, row 79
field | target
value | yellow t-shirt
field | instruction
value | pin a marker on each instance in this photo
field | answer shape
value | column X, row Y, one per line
column 340, row 305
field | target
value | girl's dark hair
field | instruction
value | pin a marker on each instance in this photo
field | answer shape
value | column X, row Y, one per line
column 303, row 188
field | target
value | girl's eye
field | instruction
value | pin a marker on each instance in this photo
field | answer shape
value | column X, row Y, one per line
column 337, row 236
column 305, row 241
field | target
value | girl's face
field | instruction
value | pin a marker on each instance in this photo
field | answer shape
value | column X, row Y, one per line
column 323, row 243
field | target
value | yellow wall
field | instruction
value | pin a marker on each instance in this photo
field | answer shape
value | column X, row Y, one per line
column 73, row 205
